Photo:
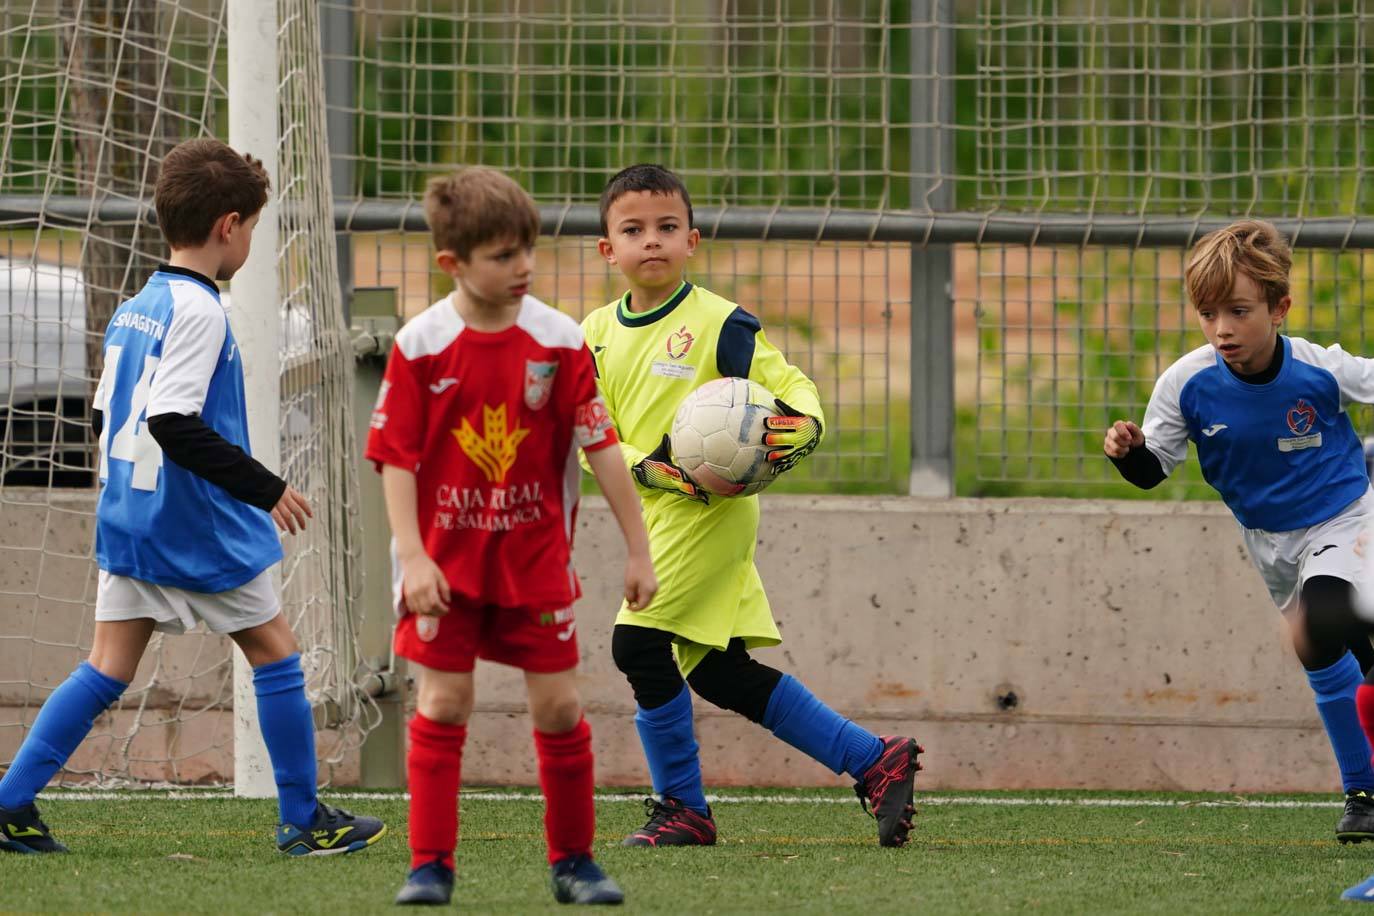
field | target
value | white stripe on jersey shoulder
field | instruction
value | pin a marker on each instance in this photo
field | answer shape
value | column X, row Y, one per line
column 189, row 297
column 431, row 331
column 548, row 326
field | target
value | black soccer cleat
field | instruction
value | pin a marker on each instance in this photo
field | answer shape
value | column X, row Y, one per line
column 334, row 831
column 887, row 788
column 580, row 880
column 1357, row 823
column 671, row 823
column 21, row 830
column 429, row 885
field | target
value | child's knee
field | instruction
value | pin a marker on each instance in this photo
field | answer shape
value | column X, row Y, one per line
column 445, row 699
column 1328, row 618
column 733, row 680
column 555, row 715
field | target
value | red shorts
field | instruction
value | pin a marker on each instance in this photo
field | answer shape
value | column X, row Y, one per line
column 533, row 640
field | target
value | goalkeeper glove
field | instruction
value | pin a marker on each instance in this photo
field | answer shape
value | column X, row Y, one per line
column 791, row 436
column 658, row 472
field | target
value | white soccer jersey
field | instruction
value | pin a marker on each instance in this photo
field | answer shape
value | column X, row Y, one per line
column 169, row 349
column 1283, row 455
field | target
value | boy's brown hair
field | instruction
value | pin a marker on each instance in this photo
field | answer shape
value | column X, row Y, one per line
column 476, row 205
column 1253, row 247
column 645, row 177
column 202, row 180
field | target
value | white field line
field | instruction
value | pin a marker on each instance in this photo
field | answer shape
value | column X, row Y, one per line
column 478, row 795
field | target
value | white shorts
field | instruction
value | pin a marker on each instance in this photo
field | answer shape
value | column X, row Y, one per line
column 1287, row 559
column 177, row 610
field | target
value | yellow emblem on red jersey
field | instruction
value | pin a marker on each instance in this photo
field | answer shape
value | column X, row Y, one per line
column 495, row 450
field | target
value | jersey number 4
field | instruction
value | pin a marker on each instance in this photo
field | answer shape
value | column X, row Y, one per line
column 132, row 442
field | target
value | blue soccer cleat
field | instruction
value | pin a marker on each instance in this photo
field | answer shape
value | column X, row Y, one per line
column 1362, row 892
column 580, row 880
column 21, row 830
column 333, row 832
column 429, row 885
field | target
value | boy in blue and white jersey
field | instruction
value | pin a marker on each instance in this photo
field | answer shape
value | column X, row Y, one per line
column 1267, row 414
column 184, row 523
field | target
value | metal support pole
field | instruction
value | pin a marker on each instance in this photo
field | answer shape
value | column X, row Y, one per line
column 382, row 758
column 338, row 34
column 932, row 266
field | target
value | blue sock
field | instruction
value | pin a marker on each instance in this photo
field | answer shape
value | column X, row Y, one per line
column 797, row 717
column 1335, row 690
column 288, row 730
column 64, row 720
column 671, row 750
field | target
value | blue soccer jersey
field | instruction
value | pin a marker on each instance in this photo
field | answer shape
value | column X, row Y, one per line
column 1283, row 455
column 170, row 349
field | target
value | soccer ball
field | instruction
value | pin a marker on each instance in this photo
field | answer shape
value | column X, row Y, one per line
column 718, row 436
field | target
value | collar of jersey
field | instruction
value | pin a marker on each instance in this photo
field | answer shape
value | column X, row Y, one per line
column 640, row 319
column 189, row 274
column 1250, row 386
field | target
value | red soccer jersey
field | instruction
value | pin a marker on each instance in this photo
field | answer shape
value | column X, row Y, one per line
column 491, row 423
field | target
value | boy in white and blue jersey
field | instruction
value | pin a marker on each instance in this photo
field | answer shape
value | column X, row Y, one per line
column 184, row 522
column 1267, row 414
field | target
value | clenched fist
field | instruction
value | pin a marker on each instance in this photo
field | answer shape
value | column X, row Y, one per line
column 1122, row 436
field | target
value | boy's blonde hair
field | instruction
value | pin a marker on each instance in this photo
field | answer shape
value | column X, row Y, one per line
column 476, row 205
column 1253, row 247
column 200, row 181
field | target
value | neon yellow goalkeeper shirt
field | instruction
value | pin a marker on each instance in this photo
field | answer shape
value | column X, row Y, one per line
column 709, row 589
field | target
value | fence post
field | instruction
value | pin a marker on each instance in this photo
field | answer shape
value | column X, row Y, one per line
column 932, row 266
column 338, row 33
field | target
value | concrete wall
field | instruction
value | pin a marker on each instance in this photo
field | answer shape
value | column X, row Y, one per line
column 1025, row 643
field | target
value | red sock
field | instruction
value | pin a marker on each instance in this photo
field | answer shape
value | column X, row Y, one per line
column 1364, row 705
column 565, row 775
column 434, row 764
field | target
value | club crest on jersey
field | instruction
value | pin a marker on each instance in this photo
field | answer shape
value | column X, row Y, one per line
column 679, row 342
column 538, row 383
column 1301, row 417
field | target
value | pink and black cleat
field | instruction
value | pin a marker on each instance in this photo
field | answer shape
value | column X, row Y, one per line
column 887, row 788
column 671, row 823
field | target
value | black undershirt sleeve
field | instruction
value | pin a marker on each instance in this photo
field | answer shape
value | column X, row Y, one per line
column 97, row 422
column 187, row 440
column 1141, row 467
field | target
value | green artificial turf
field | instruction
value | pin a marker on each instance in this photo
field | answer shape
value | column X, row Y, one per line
column 814, row 853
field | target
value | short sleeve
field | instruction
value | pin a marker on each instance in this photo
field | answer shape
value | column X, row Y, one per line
column 1165, row 428
column 592, row 426
column 1354, row 374
column 190, row 352
column 396, row 431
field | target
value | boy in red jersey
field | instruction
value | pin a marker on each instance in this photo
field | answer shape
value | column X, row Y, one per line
column 487, row 398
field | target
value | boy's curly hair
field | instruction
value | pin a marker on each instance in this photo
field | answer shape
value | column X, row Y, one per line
column 1253, row 247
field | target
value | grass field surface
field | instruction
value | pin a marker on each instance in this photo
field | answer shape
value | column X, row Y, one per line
column 795, row 851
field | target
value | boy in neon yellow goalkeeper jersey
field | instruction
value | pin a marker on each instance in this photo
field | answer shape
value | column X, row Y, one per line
column 661, row 340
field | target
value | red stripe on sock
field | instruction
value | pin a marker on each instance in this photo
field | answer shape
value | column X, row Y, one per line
column 566, row 776
column 434, row 766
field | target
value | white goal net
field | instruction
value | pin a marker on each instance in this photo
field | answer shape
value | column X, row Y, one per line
column 93, row 94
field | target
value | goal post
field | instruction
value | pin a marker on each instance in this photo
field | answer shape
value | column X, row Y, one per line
column 253, row 77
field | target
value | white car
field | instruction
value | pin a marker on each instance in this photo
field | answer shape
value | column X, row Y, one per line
column 45, row 388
